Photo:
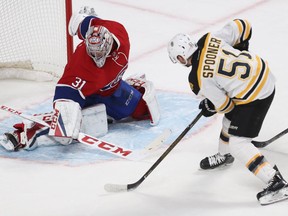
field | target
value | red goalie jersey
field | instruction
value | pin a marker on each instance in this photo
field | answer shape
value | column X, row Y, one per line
column 82, row 78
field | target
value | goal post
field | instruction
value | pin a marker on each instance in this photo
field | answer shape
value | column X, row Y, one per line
column 34, row 39
column 69, row 42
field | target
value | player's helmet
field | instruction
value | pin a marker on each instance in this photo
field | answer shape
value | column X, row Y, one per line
column 181, row 45
column 99, row 43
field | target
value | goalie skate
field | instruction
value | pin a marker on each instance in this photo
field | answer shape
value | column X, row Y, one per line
column 276, row 190
column 216, row 160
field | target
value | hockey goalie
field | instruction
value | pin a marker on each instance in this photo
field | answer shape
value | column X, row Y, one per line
column 91, row 89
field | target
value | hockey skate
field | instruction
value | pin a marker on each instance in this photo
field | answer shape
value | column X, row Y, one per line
column 276, row 190
column 216, row 160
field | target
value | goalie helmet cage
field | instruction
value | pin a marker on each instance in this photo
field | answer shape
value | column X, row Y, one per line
column 34, row 39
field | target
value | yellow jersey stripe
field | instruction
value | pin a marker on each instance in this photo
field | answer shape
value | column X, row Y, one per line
column 260, row 86
column 253, row 80
column 224, row 104
column 247, row 29
column 227, row 106
column 256, row 88
column 244, row 28
column 201, row 60
column 231, row 107
column 240, row 29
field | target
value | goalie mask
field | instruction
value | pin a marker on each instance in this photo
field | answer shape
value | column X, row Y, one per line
column 99, row 43
column 181, row 45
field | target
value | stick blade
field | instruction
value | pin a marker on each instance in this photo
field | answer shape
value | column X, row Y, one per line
column 115, row 188
column 259, row 144
column 158, row 141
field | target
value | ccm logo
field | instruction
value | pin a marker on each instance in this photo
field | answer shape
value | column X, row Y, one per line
column 105, row 146
column 10, row 110
column 54, row 120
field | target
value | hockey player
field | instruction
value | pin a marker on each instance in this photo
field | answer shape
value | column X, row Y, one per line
column 91, row 78
column 238, row 84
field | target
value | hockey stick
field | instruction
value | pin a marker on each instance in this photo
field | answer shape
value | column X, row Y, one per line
column 22, row 115
column 98, row 143
column 128, row 187
column 262, row 144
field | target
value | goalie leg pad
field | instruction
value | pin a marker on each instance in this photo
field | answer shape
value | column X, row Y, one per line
column 66, row 120
column 94, row 120
column 150, row 98
column 141, row 112
column 149, row 95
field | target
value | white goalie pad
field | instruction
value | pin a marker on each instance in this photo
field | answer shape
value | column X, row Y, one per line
column 66, row 119
column 149, row 95
column 94, row 120
column 150, row 98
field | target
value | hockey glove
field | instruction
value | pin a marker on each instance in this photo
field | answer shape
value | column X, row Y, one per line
column 207, row 107
column 78, row 17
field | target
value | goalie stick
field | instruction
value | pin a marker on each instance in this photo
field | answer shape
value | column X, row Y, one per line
column 98, row 143
column 132, row 186
column 262, row 144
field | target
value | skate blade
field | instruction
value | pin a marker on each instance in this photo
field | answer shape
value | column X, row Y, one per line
column 274, row 197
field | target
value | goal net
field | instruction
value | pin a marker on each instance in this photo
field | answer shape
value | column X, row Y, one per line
column 34, row 43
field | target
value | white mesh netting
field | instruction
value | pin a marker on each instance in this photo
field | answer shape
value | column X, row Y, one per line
column 32, row 37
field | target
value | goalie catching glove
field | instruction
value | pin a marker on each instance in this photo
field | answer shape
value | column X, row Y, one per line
column 78, row 17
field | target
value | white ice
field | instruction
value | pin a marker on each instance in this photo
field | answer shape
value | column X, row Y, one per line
column 176, row 186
